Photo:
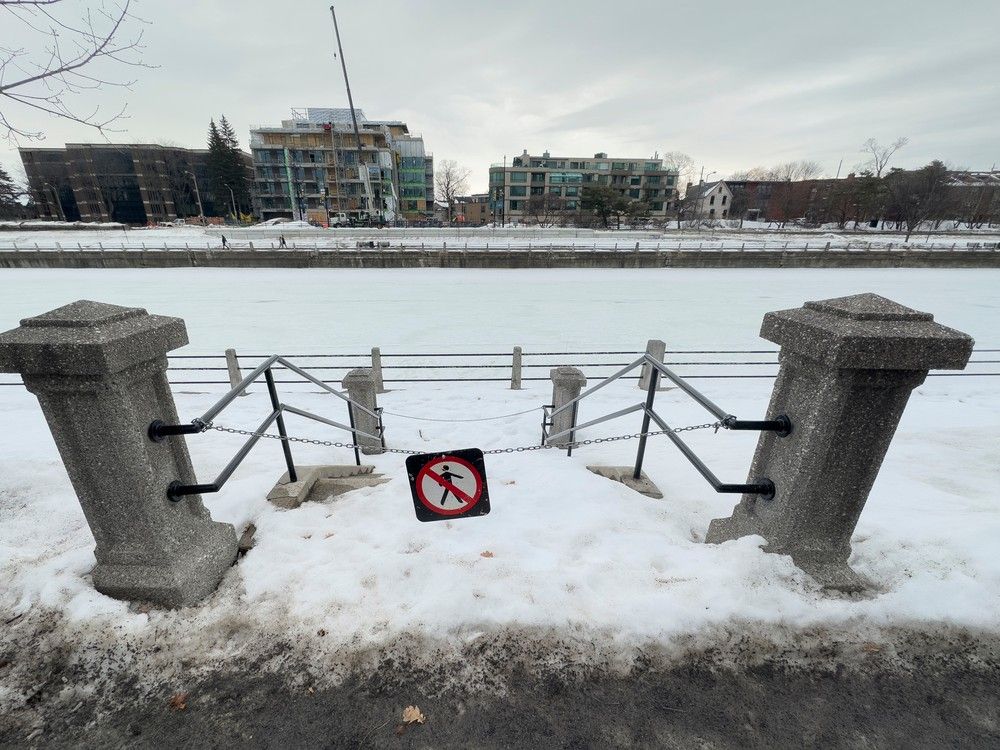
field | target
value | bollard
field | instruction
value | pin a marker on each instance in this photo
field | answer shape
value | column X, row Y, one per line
column 233, row 365
column 515, row 370
column 657, row 349
column 377, row 369
column 360, row 386
column 567, row 382
column 848, row 366
column 100, row 374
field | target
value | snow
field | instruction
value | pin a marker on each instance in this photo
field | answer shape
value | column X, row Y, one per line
column 572, row 553
column 301, row 235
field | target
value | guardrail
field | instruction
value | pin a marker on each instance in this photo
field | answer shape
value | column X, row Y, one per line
column 211, row 370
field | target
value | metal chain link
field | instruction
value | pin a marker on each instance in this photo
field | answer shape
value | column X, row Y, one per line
column 519, row 449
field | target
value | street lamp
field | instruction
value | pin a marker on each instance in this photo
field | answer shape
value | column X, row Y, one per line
column 55, row 194
column 236, row 216
column 201, row 212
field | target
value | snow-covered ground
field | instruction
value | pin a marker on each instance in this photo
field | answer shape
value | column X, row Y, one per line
column 498, row 238
column 563, row 551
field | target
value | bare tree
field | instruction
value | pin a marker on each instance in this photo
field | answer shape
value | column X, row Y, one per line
column 880, row 155
column 544, row 209
column 450, row 181
column 683, row 163
column 793, row 171
column 67, row 58
column 918, row 196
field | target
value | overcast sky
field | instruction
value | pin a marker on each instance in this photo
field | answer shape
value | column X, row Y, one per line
column 733, row 84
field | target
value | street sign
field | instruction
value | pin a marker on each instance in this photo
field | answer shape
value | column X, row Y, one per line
column 448, row 485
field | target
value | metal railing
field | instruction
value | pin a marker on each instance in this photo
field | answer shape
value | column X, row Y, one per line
column 159, row 431
column 780, row 425
column 210, row 370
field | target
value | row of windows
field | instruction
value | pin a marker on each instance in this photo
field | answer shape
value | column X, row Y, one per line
column 496, row 178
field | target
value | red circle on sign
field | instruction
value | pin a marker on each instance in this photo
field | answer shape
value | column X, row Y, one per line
column 418, row 483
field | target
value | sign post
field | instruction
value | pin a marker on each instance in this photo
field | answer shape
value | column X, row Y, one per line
column 448, row 485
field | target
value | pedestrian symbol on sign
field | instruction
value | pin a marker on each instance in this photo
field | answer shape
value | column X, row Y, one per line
column 448, row 485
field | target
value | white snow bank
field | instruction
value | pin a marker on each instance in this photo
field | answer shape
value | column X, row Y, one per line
column 569, row 552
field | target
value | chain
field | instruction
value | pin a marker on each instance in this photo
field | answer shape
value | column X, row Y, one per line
column 519, row 449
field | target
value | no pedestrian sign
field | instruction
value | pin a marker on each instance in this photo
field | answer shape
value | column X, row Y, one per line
column 448, row 485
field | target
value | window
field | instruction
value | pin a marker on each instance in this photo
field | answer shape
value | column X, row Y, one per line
column 670, row 180
column 724, row 201
column 515, row 205
column 601, row 166
column 557, row 190
column 633, row 193
column 518, row 191
column 538, row 176
column 711, row 201
column 620, row 166
column 652, row 166
column 653, row 179
column 635, row 180
column 572, row 191
column 518, row 176
column 571, row 205
column 656, row 206
column 496, row 178
column 711, row 212
column 565, row 177
column 537, row 190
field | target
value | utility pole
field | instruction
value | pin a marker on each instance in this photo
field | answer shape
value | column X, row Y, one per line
column 838, row 169
column 197, row 195
column 354, row 118
column 236, row 216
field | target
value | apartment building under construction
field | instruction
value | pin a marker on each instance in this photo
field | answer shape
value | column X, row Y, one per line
column 311, row 168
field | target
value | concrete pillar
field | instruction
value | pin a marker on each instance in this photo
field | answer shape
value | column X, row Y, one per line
column 515, row 370
column 658, row 350
column 847, row 368
column 360, row 386
column 567, row 382
column 377, row 369
column 233, row 365
column 99, row 372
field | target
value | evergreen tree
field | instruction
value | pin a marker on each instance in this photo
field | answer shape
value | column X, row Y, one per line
column 216, row 167
column 226, row 168
column 9, row 193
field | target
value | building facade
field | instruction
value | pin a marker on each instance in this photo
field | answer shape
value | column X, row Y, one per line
column 133, row 183
column 310, row 169
column 473, row 210
column 708, row 200
column 563, row 178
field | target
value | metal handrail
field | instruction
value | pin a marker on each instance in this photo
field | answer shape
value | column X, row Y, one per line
column 158, row 430
column 781, row 425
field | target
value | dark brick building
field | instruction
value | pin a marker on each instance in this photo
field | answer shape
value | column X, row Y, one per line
column 128, row 183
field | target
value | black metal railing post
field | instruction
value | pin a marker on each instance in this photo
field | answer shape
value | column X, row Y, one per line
column 276, row 405
column 354, row 435
column 654, row 378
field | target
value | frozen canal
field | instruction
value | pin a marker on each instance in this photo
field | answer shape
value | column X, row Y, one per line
column 453, row 310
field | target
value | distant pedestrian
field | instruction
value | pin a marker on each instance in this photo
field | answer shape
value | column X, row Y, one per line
column 281, row 241
column 224, row 243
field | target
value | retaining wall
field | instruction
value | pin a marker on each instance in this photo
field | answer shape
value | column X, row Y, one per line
column 554, row 258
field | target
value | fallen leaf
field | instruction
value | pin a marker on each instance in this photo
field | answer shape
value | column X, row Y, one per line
column 413, row 715
column 321, row 632
column 511, row 481
column 307, row 536
column 327, row 536
column 871, row 648
column 310, row 691
column 486, row 553
column 178, row 701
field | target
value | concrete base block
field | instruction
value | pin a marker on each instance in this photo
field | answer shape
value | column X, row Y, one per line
column 320, row 483
column 828, row 567
column 174, row 583
column 643, row 485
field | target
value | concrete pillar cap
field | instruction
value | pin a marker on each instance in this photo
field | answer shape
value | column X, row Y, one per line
column 566, row 375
